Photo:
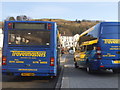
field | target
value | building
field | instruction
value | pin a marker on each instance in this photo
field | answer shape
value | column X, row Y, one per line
column 69, row 41
column 1, row 38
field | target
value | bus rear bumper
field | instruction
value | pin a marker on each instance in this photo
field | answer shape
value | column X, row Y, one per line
column 35, row 74
column 39, row 72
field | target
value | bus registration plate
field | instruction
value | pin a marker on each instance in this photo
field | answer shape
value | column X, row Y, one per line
column 116, row 62
column 27, row 74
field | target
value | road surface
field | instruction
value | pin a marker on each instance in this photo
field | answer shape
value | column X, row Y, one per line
column 77, row 78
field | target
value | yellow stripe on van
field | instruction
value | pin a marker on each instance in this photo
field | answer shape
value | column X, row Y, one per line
column 90, row 42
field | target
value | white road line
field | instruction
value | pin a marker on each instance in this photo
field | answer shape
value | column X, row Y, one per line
column 62, row 59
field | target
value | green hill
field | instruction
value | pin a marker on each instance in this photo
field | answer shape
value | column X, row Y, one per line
column 71, row 28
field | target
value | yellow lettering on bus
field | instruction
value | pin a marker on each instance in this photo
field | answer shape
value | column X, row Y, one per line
column 11, row 61
column 35, row 62
column 43, row 62
column 29, row 53
column 111, row 41
column 19, row 61
column 27, row 69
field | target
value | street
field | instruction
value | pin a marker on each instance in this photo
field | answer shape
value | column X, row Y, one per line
column 71, row 78
column 77, row 78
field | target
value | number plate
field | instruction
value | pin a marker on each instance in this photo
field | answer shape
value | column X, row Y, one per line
column 116, row 62
column 27, row 74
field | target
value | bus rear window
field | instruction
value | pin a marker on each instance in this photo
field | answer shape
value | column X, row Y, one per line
column 110, row 29
column 28, row 26
column 28, row 37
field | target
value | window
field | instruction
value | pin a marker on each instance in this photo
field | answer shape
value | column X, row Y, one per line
column 28, row 37
column 110, row 29
column 92, row 35
column 30, row 26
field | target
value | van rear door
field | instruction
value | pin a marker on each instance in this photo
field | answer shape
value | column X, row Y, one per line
column 110, row 41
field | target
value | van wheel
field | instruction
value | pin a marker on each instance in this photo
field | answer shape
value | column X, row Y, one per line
column 75, row 63
column 89, row 70
column 116, row 71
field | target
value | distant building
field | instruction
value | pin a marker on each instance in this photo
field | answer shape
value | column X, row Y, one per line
column 1, row 38
column 69, row 41
column 76, row 38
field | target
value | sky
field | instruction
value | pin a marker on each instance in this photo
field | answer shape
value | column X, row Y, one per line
column 107, row 11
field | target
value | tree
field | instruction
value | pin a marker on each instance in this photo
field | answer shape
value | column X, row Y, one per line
column 18, row 18
column 10, row 19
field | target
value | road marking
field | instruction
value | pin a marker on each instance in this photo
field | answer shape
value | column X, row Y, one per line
column 62, row 59
column 65, row 82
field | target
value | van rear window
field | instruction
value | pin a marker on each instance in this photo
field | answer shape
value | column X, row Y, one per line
column 110, row 29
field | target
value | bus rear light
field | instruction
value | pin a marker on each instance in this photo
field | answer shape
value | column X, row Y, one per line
column 49, row 26
column 10, row 25
column 98, row 48
column 52, row 61
column 98, row 53
column 3, row 69
column 4, row 59
column 102, row 66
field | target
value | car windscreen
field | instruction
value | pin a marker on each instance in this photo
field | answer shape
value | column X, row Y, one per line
column 28, row 37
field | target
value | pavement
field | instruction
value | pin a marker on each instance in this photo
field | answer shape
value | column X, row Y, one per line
column 78, row 78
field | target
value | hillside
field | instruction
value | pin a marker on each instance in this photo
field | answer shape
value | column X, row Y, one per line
column 71, row 28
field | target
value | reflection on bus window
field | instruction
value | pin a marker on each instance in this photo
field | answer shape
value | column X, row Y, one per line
column 29, row 37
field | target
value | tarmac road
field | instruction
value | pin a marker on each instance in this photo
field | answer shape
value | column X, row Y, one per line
column 78, row 78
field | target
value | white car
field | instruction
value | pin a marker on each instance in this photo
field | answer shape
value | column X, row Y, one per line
column 71, row 51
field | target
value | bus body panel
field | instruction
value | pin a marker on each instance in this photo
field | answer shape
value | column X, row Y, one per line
column 30, row 59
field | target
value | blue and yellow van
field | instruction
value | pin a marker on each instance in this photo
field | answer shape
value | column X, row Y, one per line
column 99, row 48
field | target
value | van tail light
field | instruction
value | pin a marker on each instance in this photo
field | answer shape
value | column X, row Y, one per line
column 98, row 53
column 49, row 25
column 52, row 61
column 4, row 59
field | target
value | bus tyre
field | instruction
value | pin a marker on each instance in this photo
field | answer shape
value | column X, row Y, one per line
column 116, row 71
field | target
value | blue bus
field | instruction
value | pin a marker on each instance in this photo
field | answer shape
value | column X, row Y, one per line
column 99, row 48
column 31, row 48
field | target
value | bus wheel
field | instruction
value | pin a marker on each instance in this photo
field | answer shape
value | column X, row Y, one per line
column 116, row 71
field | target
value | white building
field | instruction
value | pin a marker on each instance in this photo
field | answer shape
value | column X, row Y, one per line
column 1, row 38
column 69, row 41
